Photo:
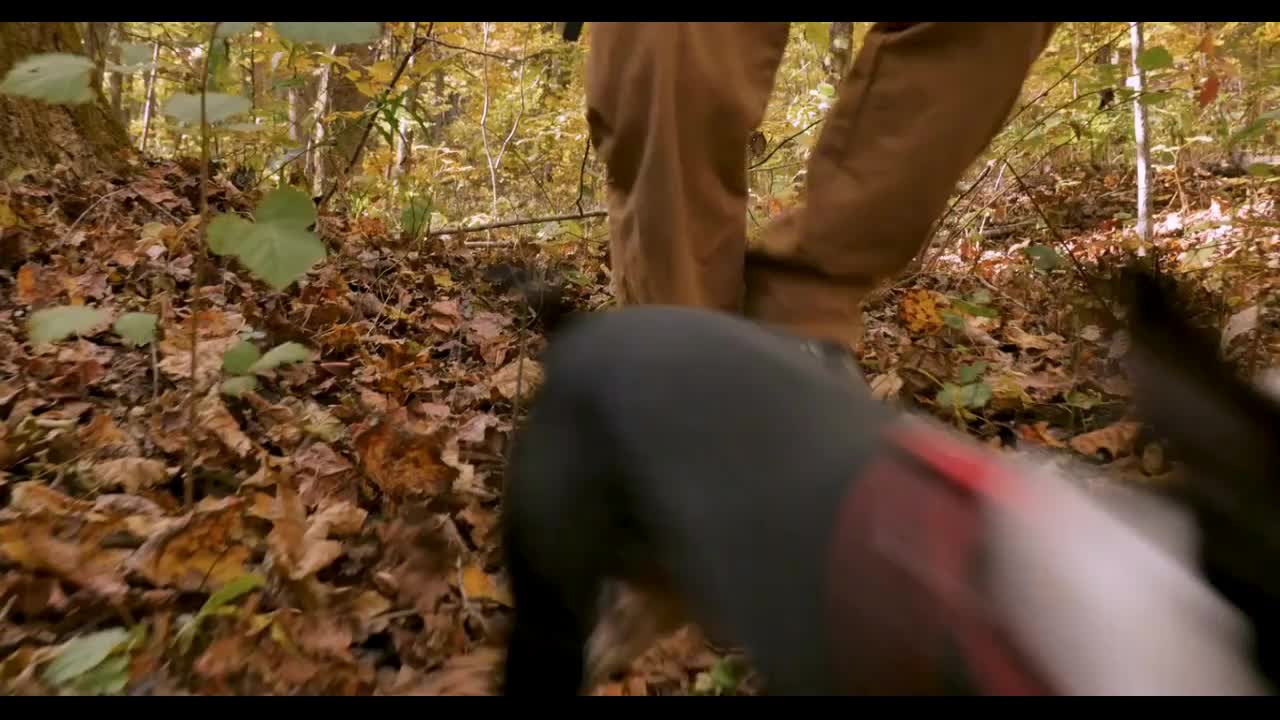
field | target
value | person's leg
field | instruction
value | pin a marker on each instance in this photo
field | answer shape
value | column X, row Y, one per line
column 921, row 102
column 671, row 106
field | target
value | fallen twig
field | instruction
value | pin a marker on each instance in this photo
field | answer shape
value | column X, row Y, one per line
column 514, row 223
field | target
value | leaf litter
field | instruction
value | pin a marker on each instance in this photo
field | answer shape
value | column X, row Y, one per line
column 344, row 538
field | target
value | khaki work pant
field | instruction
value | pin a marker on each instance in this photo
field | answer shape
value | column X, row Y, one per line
column 671, row 107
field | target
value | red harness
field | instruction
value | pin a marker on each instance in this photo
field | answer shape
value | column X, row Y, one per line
column 907, row 597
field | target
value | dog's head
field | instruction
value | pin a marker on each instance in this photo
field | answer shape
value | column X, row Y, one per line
column 1227, row 433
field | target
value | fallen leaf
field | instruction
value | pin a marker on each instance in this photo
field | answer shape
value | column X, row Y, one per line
column 103, row 436
column 200, row 552
column 1027, row 341
column 29, row 284
column 1039, row 434
column 479, row 585
column 132, row 474
column 213, row 417
column 69, row 548
column 1208, row 91
column 886, row 386
column 341, row 518
column 445, row 315
column 295, row 546
column 474, row 674
column 1240, row 323
column 1115, row 441
column 401, row 461
column 522, row 377
column 919, row 311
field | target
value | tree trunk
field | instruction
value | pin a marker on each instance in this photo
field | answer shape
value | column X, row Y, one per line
column 1143, row 153
column 37, row 135
column 148, row 104
column 315, row 154
column 839, row 51
column 115, row 81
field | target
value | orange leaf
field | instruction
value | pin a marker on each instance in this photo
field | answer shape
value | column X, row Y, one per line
column 1116, row 440
column 1208, row 91
column 28, row 277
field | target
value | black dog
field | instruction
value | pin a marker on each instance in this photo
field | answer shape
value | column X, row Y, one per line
column 683, row 465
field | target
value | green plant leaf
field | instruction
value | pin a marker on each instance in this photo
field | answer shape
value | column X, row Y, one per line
column 1155, row 58
column 229, row 592
column 82, row 654
column 1261, row 170
column 239, row 385
column 952, row 319
column 287, row 206
column 226, row 233
column 280, row 254
column 1084, row 401
column 328, row 33
column 227, row 29
column 1043, row 257
column 970, row 373
column 135, row 56
column 290, row 352
column 59, row 78
column 415, row 216
column 970, row 395
column 136, row 327
column 109, row 677
column 976, row 310
column 218, row 107
column 58, row 323
column 980, row 297
column 240, row 357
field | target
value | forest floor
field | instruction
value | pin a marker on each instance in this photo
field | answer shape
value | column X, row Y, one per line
column 343, row 536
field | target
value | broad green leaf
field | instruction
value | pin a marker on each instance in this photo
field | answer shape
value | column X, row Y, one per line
column 1155, row 58
column 227, row 233
column 58, row 78
column 58, row 323
column 971, row 395
column 218, row 106
column 227, row 29
column 1198, row 258
column 239, row 385
column 1084, row 401
column 286, row 206
column 135, row 54
column 826, row 90
column 290, row 352
column 818, row 34
column 109, row 677
column 1261, row 170
column 975, row 310
column 240, row 357
column 82, row 654
column 1043, row 257
column 952, row 319
column 1254, row 128
column 970, row 373
column 328, row 33
column 279, row 254
column 980, row 297
column 137, row 327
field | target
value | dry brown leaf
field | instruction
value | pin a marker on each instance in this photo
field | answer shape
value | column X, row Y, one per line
column 1027, row 341
column 213, row 417
column 1115, row 440
column 341, row 518
column 131, row 473
column 70, row 548
column 31, row 497
column 105, row 437
column 199, row 552
column 1039, row 434
column 473, row 674
column 295, row 546
column 401, row 461
column 445, row 315
column 473, row 430
column 512, row 376
column 29, row 285
column 175, row 358
column 886, row 386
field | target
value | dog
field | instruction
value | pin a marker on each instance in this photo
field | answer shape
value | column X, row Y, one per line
column 683, row 465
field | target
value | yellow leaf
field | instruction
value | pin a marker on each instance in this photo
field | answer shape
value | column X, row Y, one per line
column 8, row 218
column 366, row 88
column 443, row 280
column 381, row 71
column 478, row 585
column 352, row 75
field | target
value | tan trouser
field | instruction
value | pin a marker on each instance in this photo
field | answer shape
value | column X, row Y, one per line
column 672, row 105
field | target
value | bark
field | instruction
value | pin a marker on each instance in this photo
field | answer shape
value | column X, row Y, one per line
column 38, row 135
column 115, row 81
column 1143, row 152
column 839, row 51
column 345, row 98
column 148, row 104
column 318, row 111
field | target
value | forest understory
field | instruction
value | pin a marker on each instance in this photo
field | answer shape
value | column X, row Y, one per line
column 288, row 481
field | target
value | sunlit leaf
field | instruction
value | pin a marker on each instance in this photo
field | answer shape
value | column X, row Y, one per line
column 108, row 677
column 329, row 33
column 290, row 352
column 218, row 106
column 975, row 310
column 58, row 323
column 230, row 591
column 240, row 357
column 138, row 328
column 59, row 78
